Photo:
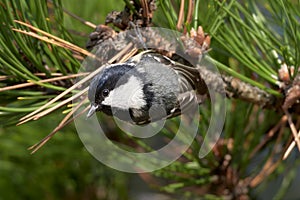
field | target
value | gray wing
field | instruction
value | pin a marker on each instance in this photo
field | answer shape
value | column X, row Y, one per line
column 192, row 86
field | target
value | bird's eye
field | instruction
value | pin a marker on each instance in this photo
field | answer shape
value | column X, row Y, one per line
column 105, row 92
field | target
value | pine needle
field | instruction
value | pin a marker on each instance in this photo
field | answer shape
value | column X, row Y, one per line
column 49, row 38
column 66, row 120
column 30, row 83
column 61, row 95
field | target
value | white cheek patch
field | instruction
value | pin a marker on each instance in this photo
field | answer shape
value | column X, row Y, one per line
column 128, row 95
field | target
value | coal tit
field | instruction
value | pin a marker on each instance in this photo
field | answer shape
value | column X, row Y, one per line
column 146, row 88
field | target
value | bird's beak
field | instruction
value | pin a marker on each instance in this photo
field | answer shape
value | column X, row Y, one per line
column 92, row 110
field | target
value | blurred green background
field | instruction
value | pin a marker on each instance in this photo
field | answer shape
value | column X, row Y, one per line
column 61, row 170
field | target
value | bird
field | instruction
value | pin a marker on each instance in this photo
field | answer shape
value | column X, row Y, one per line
column 147, row 88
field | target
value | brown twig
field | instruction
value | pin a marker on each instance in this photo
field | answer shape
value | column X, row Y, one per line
column 190, row 13
column 238, row 89
column 144, row 5
column 270, row 165
column 270, row 134
column 189, row 16
column 180, row 16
